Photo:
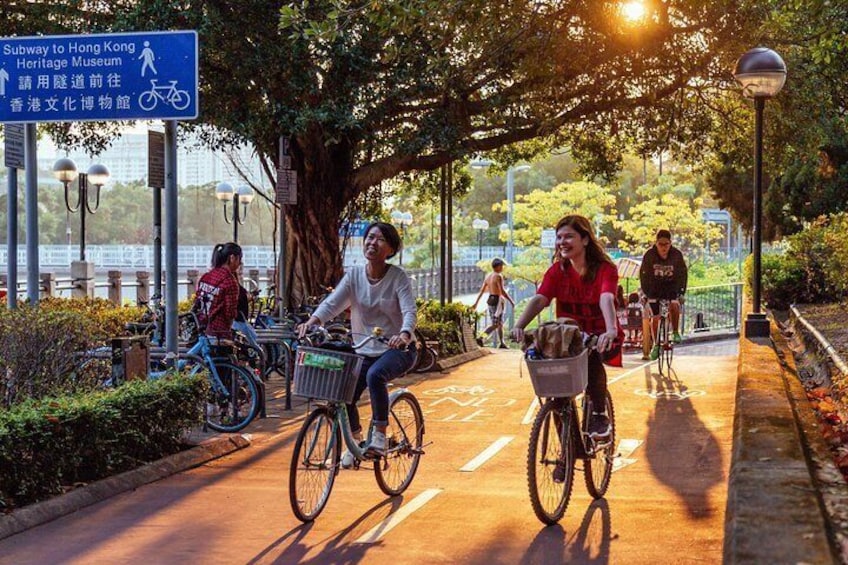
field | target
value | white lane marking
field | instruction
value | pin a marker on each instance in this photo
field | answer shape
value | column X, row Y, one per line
column 530, row 415
column 487, row 454
column 626, row 447
column 628, row 373
column 395, row 518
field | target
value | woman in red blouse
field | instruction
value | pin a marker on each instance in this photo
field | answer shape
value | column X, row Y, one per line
column 583, row 280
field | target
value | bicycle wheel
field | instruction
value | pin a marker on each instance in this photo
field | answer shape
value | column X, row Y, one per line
column 234, row 409
column 668, row 352
column 551, row 445
column 404, row 436
column 426, row 360
column 598, row 469
column 314, row 465
column 662, row 343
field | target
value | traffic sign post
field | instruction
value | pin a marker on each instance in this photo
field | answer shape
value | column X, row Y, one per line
column 114, row 76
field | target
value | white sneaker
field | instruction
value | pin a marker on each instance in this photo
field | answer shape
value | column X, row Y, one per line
column 347, row 459
column 377, row 447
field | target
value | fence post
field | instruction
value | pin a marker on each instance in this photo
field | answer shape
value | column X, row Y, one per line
column 143, row 292
column 115, row 289
column 82, row 273
column 48, row 284
column 193, row 275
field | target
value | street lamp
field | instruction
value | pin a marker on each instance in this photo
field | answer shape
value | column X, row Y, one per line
column 226, row 193
column 761, row 72
column 481, row 226
column 402, row 219
column 65, row 170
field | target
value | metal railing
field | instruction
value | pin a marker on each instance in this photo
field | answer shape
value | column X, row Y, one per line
column 714, row 307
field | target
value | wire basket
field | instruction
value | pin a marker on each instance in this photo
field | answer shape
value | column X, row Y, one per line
column 557, row 378
column 324, row 374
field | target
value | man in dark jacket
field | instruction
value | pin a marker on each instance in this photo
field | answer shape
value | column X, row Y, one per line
column 663, row 275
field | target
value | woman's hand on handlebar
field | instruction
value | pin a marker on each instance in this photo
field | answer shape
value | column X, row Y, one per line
column 517, row 334
column 399, row 341
column 303, row 329
column 606, row 341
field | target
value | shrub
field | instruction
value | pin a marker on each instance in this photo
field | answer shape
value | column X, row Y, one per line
column 811, row 268
column 442, row 323
column 48, row 444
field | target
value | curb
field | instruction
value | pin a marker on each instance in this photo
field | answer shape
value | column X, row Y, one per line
column 41, row 512
column 774, row 511
column 455, row 360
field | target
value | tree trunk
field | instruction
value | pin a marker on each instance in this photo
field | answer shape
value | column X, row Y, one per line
column 313, row 257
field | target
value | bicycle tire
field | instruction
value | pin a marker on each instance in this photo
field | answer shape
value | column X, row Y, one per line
column 669, row 353
column 549, row 498
column 404, row 436
column 222, row 414
column 311, row 478
column 662, row 342
column 426, row 359
column 597, row 470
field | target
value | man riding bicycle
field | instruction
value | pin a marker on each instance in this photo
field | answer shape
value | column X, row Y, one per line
column 664, row 276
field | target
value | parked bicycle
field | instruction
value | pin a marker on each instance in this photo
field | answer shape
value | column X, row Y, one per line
column 664, row 337
column 234, row 396
column 560, row 436
column 331, row 376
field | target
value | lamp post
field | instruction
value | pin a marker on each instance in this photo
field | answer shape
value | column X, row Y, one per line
column 402, row 219
column 481, row 226
column 65, row 170
column 761, row 72
column 243, row 196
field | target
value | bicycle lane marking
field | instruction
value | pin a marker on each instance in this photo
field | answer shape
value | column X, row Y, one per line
column 487, row 454
column 626, row 447
column 374, row 534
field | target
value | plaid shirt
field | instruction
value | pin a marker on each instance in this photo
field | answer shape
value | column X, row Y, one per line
column 221, row 285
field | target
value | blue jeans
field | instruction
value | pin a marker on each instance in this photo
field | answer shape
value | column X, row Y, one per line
column 376, row 372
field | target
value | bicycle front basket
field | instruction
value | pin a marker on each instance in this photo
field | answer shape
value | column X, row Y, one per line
column 326, row 375
column 556, row 378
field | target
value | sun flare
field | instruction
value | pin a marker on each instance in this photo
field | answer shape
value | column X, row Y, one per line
column 633, row 11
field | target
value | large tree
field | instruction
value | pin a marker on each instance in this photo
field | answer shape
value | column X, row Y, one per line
column 367, row 90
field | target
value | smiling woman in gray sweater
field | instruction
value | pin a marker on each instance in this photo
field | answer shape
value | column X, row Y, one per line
column 378, row 295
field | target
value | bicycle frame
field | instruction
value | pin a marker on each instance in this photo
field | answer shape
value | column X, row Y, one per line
column 341, row 421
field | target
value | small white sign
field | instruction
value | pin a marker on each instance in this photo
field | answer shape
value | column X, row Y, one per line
column 548, row 238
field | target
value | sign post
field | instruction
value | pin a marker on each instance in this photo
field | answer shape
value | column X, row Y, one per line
column 14, row 157
column 156, row 181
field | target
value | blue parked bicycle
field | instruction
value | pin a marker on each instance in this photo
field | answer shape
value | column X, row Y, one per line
column 234, row 399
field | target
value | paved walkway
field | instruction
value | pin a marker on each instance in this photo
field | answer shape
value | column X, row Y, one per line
column 667, row 497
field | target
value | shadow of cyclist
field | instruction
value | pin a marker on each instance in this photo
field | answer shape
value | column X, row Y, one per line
column 590, row 543
column 681, row 451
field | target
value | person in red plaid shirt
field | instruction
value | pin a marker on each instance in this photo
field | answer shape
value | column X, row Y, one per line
column 216, row 301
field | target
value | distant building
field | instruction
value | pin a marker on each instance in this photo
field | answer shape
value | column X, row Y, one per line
column 127, row 161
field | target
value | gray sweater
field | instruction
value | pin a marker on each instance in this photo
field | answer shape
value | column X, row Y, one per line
column 389, row 304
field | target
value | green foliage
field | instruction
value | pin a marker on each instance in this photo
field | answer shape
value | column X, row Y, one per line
column 670, row 205
column 810, row 269
column 39, row 347
column 442, row 323
column 47, row 445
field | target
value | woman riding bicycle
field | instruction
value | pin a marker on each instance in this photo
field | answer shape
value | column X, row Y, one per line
column 378, row 295
column 584, row 282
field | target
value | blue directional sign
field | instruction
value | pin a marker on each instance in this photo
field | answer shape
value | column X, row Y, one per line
column 114, row 76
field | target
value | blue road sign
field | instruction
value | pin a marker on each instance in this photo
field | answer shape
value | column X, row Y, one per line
column 114, row 76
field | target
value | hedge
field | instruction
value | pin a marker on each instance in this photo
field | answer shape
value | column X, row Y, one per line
column 49, row 444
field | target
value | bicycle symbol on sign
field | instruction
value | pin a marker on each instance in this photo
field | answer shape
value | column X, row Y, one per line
column 169, row 94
